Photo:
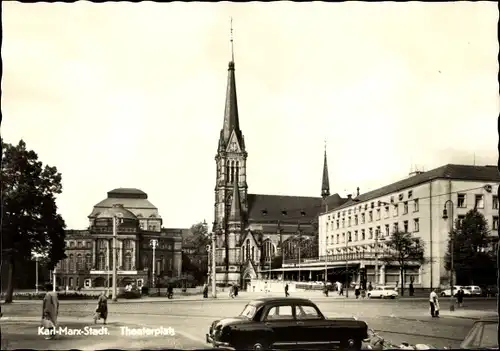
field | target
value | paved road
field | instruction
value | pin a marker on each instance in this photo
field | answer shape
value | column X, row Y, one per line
column 396, row 320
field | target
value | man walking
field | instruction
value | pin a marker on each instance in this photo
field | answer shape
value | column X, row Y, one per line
column 433, row 301
column 460, row 297
column 286, row 290
column 50, row 310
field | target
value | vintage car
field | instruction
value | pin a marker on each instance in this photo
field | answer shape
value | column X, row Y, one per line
column 383, row 292
column 286, row 323
column 483, row 335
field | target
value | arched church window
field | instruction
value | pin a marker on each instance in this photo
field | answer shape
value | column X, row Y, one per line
column 232, row 172
column 268, row 250
column 227, row 170
column 101, row 262
column 253, row 254
column 243, row 253
column 248, row 249
column 128, row 261
column 237, row 175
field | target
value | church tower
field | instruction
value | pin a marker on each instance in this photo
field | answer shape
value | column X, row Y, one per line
column 325, row 184
column 231, row 186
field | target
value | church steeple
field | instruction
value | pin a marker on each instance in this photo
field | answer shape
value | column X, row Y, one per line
column 325, row 185
column 231, row 117
column 235, row 211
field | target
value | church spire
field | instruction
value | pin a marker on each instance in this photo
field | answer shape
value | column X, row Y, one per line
column 325, row 186
column 231, row 118
column 235, row 211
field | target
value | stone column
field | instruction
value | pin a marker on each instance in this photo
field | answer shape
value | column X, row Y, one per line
column 108, row 256
column 382, row 275
column 94, row 253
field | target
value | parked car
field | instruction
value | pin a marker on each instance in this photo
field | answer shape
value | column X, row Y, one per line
column 286, row 323
column 489, row 291
column 383, row 292
column 483, row 335
column 447, row 292
column 474, row 290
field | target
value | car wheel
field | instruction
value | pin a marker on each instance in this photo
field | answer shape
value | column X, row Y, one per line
column 369, row 296
column 259, row 346
column 352, row 345
column 443, row 294
column 393, row 297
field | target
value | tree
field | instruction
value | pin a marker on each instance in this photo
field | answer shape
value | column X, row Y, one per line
column 30, row 222
column 195, row 243
column 404, row 248
column 473, row 258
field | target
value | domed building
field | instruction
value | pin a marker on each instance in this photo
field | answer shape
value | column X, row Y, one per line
column 90, row 259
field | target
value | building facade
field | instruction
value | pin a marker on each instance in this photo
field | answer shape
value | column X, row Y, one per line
column 355, row 231
column 253, row 229
column 89, row 261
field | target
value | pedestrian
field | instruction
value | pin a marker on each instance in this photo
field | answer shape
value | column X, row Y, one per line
column 101, row 311
column 357, row 291
column 363, row 293
column 433, row 301
column 341, row 289
column 325, row 290
column 231, row 291
column 50, row 311
column 460, row 297
column 205, row 291
column 412, row 290
column 370, row 287
column 286, row 290
column 235, row 290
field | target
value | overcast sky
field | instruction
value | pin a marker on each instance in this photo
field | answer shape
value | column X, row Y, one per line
column 132, row 95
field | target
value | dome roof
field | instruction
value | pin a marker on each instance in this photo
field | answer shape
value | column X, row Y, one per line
column 116, row 211
column 132, row 199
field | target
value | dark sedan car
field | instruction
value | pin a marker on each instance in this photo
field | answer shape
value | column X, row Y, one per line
column 286, row 323
column 483, row 335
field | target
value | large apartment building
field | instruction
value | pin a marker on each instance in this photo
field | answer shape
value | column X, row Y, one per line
column 355, row 231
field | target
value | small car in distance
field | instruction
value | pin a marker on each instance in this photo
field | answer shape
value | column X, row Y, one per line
column 483, row 335
column 447, row 292
column 383, row 292
column 286, row 323
column 474, row 290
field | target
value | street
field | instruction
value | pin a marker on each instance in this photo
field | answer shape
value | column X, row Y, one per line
column 403, row 320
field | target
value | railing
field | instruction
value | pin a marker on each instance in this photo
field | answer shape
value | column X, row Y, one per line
column 352, row 256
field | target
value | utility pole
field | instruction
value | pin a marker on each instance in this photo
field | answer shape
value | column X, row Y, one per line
column 346, row 267
column 115, row 229
column 452, row 249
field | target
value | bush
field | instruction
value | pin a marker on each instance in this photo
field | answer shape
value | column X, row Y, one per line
column 134, row 294
column 67, row 296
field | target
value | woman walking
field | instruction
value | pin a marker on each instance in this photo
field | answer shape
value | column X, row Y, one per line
column 102, row 308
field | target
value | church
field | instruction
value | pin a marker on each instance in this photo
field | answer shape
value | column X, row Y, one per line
column 252, row 230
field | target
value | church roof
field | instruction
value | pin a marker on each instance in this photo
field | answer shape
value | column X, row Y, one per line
column 274, row 208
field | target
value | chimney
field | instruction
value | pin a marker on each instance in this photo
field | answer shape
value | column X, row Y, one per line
column 357, row 191
column 349, row 196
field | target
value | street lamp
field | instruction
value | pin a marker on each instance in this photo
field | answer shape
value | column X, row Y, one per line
column 37, row 257
column 377, row 239
column 326, row 265
column 154, row 244
column 116, row 223
column 214, row 277
column 452, row 248
column 347, row 240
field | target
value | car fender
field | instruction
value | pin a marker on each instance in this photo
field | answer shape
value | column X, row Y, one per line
column 244, row 336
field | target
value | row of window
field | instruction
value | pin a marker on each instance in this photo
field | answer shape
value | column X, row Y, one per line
column 478, row 201
column 362, row 218
column 362, row 234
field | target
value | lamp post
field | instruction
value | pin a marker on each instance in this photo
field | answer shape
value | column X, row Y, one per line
column 37, row 257
column 377, row 239
column 347, row 239
column 326, row 265
column 154, row 244
column 54, row 281
column 116, row 223
column 452, row 248
column 214, row 265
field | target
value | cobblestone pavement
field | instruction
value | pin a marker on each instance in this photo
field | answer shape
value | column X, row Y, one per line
column 396, row 320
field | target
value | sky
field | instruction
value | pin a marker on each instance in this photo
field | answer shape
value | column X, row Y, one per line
column 132, row 95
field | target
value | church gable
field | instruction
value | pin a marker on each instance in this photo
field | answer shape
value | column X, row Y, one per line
column 233, row 145
column 249, row 236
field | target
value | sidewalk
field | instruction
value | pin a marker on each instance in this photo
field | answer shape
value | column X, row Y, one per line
column 458, row 313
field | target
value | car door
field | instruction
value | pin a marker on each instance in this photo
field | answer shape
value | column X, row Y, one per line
column 281, row 320
column 313, row 330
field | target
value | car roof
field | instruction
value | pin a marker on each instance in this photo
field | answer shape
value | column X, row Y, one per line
column 266, row 300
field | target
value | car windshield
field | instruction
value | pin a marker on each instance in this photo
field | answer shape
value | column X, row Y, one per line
column 248, row 311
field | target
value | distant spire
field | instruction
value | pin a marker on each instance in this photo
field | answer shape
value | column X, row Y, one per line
column 235, row 211
column 325, row 186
